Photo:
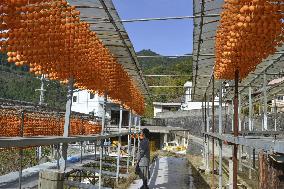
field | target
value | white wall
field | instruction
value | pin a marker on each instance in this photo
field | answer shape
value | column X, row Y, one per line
column 188, row 104
column 187, row 94
column 86, row 105
column 191, row 106
column 157, row 109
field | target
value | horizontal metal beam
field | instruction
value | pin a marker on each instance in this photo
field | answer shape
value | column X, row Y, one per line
column 10, row 142
column 173, row 56
column 269, row 144
column 181, row 86
column 164, row 94
column 167, row 56
column 167, row 75
column 262, row 133
column 103, row 20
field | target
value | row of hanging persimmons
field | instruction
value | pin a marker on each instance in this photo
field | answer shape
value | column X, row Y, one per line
column 42, row 124
column 48, row 36
column 249, row 31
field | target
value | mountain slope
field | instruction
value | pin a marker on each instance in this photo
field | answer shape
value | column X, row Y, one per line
column 165, row 66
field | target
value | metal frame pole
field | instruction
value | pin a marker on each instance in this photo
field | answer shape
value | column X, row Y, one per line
column 265, row 127
column 250, row 110
column 239, row 112
column 58, row 156
column 101, row 141
column 236, row 130
column 249, row 155
column 208, row 118
column 232, row 116
column 96, row 149
column 21, row 149
column 220, row 141
column 129, row 140
column 213, row 130
column 81, row 152
column 81, row 143
column 275, row 113
column 67, row 123
column 119, row 143
column 135, row 122
column 240, row 129
column 208, row 141
column 204, row 129
column 139, row 128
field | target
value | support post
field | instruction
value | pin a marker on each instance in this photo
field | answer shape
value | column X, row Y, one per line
column 133, row 156
column 250, row 109
column 203, row 116
column 239, row 112
column 208, row 118
column 236, row 130
column 232, row 115
column 213, row 131
column 220, row 141
column 139, row 130
column 240, row 158
column 253, row 158
column 119, row 143
column 207, row 139
column 81, row 143
column 81, row 152
column 275, row 113
column 96, row 149
column 67, row 123
column 21, row 150
column 240, row 129
column 265, row 127
column 231, row 174
column 101, row 141
column 129, row 140
column 58, row 156
column 249, row 155
column 204, row 129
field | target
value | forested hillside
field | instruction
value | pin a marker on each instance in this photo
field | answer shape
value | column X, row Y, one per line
column 165, row 66
column 18, row 84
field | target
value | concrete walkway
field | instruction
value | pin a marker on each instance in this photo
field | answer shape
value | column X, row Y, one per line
column 168, row 173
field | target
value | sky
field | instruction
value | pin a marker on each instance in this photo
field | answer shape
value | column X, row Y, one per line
column 171, row 37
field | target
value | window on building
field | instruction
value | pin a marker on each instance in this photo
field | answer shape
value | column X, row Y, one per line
column 280, row 98
column 92, row 96
column 74, row 98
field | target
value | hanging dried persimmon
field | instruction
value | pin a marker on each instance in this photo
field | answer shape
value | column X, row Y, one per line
column 49, row 37
column 249, row 32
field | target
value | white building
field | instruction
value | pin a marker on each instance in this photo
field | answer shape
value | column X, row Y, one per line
column 187, row 104
column 88, row 103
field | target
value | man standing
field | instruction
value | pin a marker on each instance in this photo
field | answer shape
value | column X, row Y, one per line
column 143, row 158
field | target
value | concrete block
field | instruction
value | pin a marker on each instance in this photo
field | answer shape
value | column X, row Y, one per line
column 51, row 179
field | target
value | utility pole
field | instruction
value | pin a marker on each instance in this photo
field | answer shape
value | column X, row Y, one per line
column 41, row 102
column 42, row 90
